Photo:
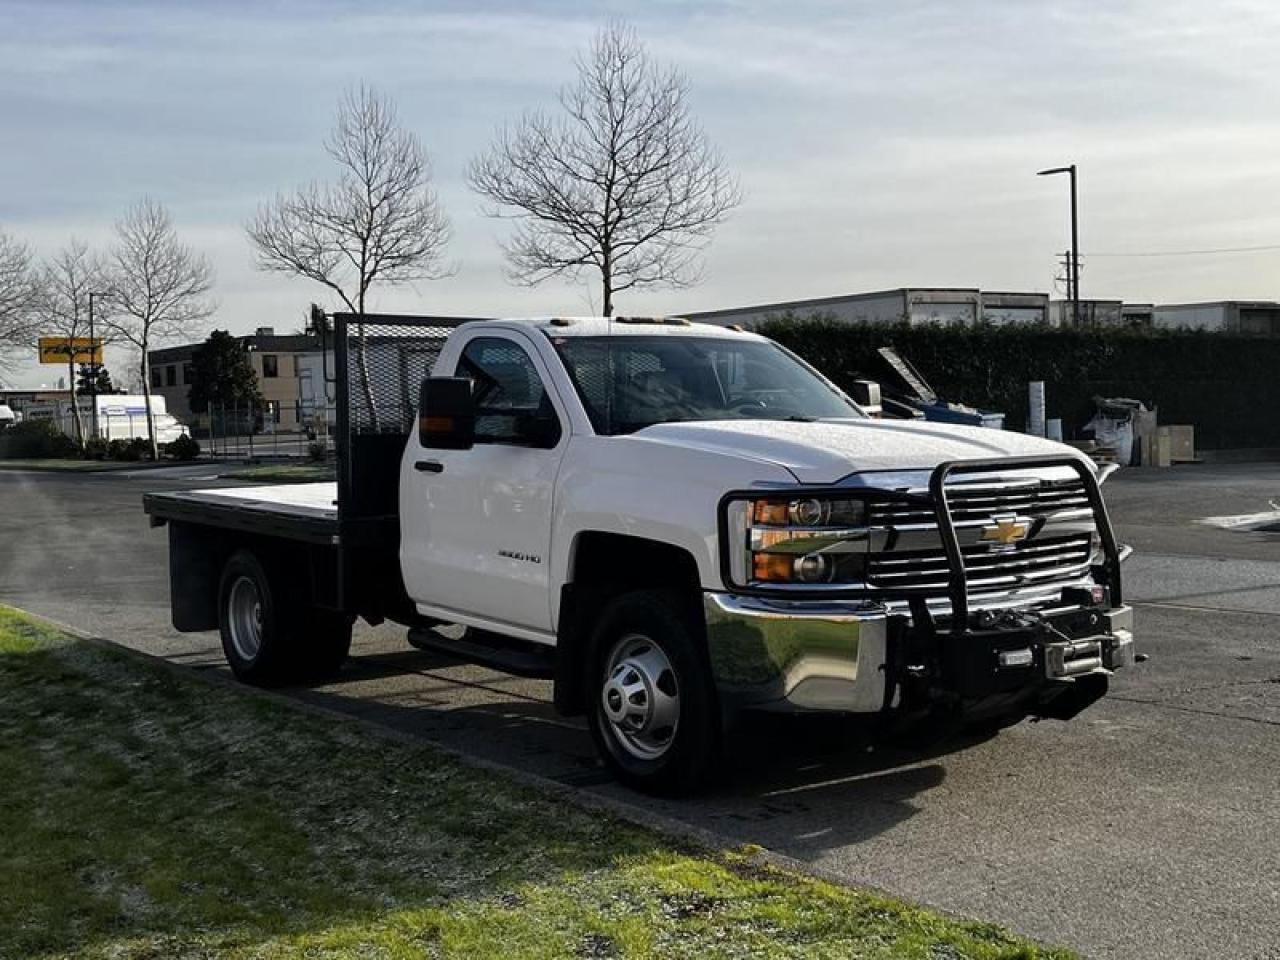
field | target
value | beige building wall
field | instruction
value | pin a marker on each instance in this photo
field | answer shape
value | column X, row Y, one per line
column 169, row 380
column 278, row 380
column 276, row 372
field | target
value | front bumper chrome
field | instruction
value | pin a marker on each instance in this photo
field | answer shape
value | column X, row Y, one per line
column 827, row 656
column 797, row 656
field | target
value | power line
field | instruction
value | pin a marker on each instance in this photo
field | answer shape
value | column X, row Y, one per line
column 1189, row 253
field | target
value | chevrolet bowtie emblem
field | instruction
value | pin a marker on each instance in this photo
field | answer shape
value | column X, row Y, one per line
column 1005, row 531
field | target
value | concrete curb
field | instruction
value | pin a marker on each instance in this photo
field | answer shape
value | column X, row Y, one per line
column 106, row 467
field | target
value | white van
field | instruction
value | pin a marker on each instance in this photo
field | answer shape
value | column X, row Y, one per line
column 121, row 416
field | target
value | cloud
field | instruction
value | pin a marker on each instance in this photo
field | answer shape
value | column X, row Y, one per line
column 880, row 144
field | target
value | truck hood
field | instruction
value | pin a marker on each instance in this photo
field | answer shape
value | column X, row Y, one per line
column 828, row 451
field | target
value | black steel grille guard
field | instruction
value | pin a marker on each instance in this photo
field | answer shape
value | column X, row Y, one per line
column 936, row 500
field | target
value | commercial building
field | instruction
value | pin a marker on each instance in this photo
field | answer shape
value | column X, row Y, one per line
column 915, row 305
column 276, row 360
column 1093, row 313
column 1233, row 316
column 1138, row 314
column 21, row 400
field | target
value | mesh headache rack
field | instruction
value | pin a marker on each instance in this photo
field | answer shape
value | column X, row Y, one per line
column 379, row 363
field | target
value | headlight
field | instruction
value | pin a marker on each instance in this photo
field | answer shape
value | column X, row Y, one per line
column 809, row 512
column 798, row 540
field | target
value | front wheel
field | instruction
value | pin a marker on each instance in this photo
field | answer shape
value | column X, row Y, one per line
column 653, row 715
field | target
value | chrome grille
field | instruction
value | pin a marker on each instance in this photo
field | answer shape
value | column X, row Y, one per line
column 1034, row 561
column 1059, row 552
column 981, row 501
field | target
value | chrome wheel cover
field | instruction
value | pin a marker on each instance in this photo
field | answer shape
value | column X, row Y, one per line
column 640, row 700
column 244, row 617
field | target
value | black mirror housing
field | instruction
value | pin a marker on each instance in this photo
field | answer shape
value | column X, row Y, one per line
column 538, row 431
column 446, row 414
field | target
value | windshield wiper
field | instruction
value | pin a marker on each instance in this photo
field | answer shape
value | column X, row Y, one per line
column 797, row 418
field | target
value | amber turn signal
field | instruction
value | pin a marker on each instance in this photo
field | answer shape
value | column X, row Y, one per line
column 773, row 567
column 773, row 513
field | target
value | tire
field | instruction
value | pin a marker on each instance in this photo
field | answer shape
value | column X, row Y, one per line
column 268, row 637
column 255, row 637
column 652, row 706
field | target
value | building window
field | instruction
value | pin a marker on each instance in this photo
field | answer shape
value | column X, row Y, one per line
column 156, row 377
column 171, row 375
column 187, row 375
column 270, row 365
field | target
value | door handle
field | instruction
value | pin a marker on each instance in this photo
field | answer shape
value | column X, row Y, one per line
column 429, row 466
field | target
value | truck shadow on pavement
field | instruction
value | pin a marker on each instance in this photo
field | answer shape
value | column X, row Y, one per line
column 777, row 770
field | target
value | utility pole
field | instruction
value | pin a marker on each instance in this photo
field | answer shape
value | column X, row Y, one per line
column 1065, row 277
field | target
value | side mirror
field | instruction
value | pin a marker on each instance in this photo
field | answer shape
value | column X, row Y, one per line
column 446, row 414
column 866, row 394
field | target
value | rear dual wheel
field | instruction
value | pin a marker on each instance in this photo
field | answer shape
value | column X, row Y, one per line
column 268, row 637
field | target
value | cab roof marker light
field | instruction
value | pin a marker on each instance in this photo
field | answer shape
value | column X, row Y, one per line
column 657, row 321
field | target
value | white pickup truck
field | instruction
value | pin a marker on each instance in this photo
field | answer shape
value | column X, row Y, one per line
column 672, row 522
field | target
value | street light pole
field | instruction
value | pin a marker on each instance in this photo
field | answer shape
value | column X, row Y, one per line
column 1075, row 240
column 93, row 375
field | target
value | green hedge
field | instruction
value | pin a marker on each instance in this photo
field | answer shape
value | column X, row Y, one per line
column 35, row 440
column 1226, row 385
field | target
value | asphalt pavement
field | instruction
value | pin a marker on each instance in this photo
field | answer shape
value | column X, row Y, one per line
column 1146, row 827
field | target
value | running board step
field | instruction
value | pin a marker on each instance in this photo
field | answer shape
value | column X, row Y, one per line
column 489, row 650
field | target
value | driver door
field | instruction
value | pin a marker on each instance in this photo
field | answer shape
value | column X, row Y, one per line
column 477, row 523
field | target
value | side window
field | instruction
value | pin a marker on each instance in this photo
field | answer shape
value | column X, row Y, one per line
column 511, row 402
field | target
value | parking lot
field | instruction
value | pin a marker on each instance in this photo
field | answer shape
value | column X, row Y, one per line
column 1146, row 827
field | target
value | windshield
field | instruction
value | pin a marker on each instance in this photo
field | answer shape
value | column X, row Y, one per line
column 628, row 383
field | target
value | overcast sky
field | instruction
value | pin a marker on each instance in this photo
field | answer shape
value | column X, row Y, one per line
column 879, row 144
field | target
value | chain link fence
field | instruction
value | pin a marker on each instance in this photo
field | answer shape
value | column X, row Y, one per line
column 232, row 431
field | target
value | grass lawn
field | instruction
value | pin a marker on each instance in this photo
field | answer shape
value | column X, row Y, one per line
column 152, row 814
column 283, row 473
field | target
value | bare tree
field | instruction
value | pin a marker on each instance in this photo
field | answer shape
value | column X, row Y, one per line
column 624, row 183
column 159, row 289
column 17, row 297
column 65, row 284
column 379, row 222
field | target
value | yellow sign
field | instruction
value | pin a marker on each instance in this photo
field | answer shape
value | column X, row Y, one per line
column 70, row 350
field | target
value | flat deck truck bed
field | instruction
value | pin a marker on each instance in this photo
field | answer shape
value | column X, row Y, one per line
column 348, row 566
column 299, row 511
